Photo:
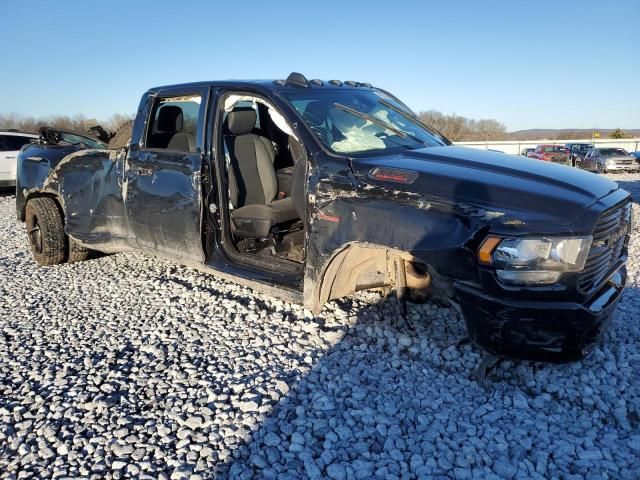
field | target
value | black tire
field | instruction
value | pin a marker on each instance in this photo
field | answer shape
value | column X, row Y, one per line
column 77, row 253
column 45, row 229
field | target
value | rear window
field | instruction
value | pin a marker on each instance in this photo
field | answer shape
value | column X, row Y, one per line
column 174, row 124
column 14, row 142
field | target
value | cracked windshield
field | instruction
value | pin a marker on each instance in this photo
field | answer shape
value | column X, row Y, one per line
column 368, row 121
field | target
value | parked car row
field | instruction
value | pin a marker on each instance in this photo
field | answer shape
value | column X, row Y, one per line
column 586, row 156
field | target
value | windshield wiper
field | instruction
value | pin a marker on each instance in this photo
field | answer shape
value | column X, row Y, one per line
column 411, row 116
column 380, row 123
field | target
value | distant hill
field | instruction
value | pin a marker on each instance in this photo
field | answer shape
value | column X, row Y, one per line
column 566, row 133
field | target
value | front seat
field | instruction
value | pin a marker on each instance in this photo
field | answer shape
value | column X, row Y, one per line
column 171, row 130
column 253, row 182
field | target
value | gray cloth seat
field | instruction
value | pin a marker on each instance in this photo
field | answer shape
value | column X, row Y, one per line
column 253, row 182
column 170, row 132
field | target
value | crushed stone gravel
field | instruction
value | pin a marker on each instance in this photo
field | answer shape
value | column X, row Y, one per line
column 126, row 366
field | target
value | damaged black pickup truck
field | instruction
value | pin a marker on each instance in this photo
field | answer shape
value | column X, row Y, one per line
column 311, row 190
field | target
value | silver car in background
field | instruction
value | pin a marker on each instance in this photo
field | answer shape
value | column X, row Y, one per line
column 603, row 160
column 11, row 141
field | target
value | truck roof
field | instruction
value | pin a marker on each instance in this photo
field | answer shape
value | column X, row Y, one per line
column 294, row 81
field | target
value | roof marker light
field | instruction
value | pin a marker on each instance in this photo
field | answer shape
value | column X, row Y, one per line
column 297, row 79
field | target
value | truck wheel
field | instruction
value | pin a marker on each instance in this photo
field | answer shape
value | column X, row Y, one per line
column 45, row 229
column 77, row 253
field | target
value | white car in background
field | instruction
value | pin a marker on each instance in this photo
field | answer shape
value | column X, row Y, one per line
column 10, row 144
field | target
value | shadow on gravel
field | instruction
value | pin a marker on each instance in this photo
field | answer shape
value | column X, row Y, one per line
column 7, row 192
column 389, row 402
column 346, row 403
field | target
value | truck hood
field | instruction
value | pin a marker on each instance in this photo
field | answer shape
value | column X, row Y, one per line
column 507, row 185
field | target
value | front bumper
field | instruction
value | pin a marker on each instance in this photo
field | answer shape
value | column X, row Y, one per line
column 540, row 331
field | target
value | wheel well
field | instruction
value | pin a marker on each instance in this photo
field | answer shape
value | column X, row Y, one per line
column 361, row 267
column 53, row 196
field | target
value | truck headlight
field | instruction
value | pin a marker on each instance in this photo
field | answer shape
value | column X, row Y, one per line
column 534, row 261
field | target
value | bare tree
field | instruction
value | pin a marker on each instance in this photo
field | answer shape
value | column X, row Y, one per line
column 456, row 127
column 77, row 123
column 488, row 129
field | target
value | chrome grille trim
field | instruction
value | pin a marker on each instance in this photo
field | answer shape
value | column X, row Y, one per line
column 608, row 245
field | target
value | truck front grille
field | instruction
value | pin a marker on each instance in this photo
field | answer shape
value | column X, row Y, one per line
column 609, row 240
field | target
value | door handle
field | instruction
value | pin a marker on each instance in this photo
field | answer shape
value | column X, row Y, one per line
column 10, row 157
column 144, row 171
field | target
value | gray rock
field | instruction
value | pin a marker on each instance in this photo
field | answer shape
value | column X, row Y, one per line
column 47, row 453
column 416, row 461
column 520, row 401
column 271, row 439
column 122, row 450
column 590, row 454
column 258, row 460
column 138, row 454
column 194, row 422
column 310, row 466
column 503, row 468
column 363, row 469
column 336, row 471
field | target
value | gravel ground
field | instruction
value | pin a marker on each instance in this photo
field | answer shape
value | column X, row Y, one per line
column 126, row 366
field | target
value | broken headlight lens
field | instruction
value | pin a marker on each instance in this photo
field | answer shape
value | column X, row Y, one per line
column 539, row 261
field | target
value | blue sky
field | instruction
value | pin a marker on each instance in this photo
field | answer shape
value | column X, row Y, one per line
column 528, row 64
